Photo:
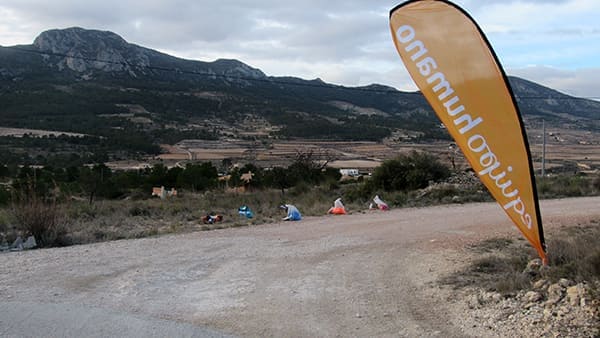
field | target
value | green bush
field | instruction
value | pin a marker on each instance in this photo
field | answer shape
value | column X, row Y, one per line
column 358, row 193
column 4, row 195
column 561, row 186
column 408, row 172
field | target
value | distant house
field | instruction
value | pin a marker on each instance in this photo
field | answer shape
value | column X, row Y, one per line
column 224, row 178
column 163, row 193
column 247, row 177
column 350, row 172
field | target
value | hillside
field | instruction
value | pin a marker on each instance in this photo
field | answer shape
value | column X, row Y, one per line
column 128, row 99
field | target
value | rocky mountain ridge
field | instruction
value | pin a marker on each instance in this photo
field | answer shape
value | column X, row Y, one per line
column 85, row 51
column 102, row 64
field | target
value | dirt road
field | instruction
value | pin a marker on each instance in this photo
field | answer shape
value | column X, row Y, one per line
column 360, row 275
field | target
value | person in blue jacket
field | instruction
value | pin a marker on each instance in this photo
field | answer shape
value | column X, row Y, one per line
column 292, row 212
column 245, row 211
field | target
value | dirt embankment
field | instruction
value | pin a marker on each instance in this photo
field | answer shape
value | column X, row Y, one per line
column 364, row 274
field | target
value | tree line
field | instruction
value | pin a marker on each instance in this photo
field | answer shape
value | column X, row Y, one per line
column 406, row 172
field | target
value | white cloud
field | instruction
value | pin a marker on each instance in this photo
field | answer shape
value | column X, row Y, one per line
column 341, row 41
column 580, row 82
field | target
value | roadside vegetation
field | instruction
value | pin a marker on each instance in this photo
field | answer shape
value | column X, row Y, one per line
column 505, row 265
column 76, row 205
column 87, row 204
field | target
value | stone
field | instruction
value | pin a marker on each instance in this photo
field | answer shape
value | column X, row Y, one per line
column 17, row 244
column 563, row 310
column 496, row 297
column 565, row 283
column 575, row 294
column 555, row 294
column 474, row 302
column 533, row 267
column 533, row 297
column 30, row 243
column 540, row 284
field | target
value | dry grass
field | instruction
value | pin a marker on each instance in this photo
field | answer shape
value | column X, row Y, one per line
column 573, row 253
column 560, row 186
column 124, row 219
column 37, row 216
column 498, row 267
column 140, row 217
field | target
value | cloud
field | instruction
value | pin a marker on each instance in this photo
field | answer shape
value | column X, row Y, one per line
column 580, row 82
column 341, row 41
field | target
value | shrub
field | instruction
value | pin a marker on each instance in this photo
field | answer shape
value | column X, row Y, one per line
column 300, row 188
column 573, row 253
column 408, row 172
column 139, row 210
column 40, row 217
column 358, row 193
column 4, row 195
column 568, row 186
column 3, row 222
column 596, row 183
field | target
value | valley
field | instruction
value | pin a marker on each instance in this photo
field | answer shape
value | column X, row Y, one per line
column 566, row 151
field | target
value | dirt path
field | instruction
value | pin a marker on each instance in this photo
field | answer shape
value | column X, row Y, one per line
column 365, row 274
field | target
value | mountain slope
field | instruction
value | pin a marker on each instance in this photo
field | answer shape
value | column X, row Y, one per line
column 73, row 79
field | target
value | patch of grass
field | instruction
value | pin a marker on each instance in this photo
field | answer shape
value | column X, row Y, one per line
column 560, row 186
column 495, row 271
column 3, row 220
column 138, row 216
column 107, row 220
column 512, row 282
column 573, row 253
column 492, row 244
column 40, row 217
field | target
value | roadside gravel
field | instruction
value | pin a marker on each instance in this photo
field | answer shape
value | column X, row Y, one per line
column 365, row 274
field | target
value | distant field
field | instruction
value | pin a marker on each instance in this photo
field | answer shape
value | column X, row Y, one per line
column 19, row 132
column 566, row 149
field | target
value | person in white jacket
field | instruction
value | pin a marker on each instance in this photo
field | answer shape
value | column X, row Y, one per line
column 338, row 208
column 381, row 205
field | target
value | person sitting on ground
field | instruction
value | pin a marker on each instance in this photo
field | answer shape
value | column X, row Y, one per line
column 245, row 211
column 381, row 205
column 338, row 208
column 211, row 219
column 293, row 214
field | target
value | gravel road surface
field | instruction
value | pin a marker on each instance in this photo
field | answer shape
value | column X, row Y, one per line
column 367, row 274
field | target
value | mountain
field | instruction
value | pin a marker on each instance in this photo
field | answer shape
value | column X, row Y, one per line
column 88, row 54
column 96, row 83
column 536, row 101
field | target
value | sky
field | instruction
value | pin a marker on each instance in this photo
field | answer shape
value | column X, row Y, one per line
column 555, row 43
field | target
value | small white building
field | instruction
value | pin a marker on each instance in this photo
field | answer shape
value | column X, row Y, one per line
column 349, row 172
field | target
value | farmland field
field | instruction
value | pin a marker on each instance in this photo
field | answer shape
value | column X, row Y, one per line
column 564, row 150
